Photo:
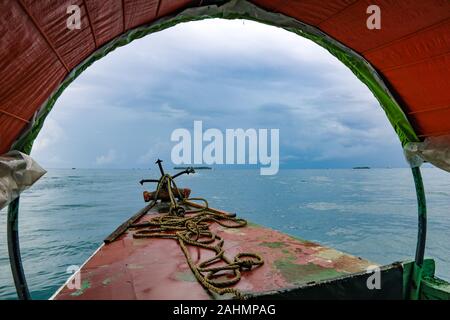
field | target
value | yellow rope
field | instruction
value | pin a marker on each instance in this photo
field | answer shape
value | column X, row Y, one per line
column 192, row 228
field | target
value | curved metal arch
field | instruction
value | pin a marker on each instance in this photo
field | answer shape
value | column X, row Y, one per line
column 15, row 260
column 416, row 277
column 236, row 9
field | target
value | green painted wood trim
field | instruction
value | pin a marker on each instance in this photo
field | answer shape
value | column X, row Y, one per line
column 417, row 272
column 427, row 270
column 433, row 288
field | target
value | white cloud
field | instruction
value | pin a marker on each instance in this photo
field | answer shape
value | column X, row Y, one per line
column 107, row 158
column 229, row 74
column 157, row 150
column 50, row 135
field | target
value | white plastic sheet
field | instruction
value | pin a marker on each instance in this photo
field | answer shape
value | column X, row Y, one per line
column 435, row 150
column 18, row 172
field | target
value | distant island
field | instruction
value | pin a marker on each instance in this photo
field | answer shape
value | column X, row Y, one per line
column 195, row 168
column 361, row 167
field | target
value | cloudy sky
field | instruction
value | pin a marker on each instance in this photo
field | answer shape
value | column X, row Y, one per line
column 121, row 112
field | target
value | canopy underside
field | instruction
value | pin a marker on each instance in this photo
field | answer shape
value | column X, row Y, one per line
column 405, row 63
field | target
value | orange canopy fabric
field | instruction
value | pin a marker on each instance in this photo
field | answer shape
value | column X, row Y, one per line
column 411, row 51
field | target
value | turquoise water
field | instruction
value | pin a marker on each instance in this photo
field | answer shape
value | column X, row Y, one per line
column 368, row 213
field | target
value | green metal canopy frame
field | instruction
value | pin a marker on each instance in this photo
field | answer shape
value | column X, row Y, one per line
column 236, row 9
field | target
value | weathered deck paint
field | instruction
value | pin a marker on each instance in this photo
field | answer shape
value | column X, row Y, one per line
column 130, row 268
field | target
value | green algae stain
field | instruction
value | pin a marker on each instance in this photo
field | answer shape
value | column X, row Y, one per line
column 298, row 239
column 187, row 276
column 300, row 274
column 106, row 281
column 84, row 285
column 273, row 244
column 252, row 224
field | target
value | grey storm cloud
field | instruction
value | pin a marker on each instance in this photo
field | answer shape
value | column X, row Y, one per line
column 230, row 74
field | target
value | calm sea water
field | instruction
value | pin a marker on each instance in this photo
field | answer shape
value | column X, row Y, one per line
column 368, row 213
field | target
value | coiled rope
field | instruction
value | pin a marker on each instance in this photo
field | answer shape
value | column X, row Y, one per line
column 192, row 228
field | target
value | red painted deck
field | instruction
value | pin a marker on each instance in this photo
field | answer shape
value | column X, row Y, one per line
column 150, row 268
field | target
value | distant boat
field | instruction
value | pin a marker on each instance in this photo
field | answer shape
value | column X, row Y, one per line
column 361, row 167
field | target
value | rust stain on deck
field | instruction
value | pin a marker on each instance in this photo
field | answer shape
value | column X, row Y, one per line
column 273, row 244
column 300, row 274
